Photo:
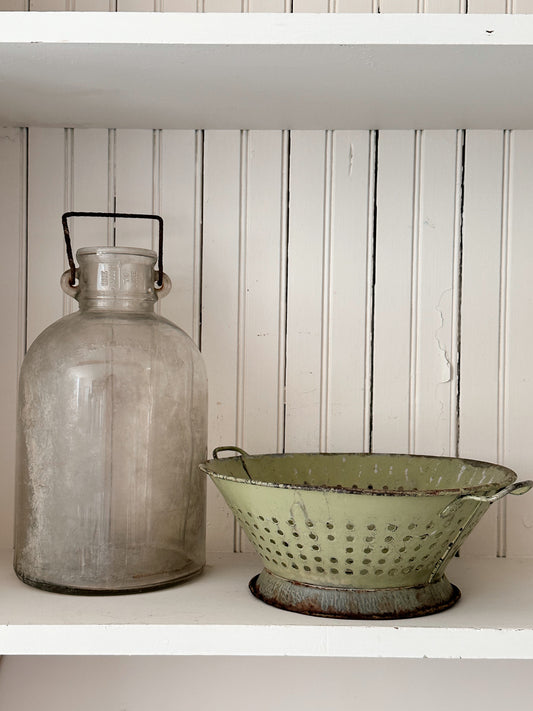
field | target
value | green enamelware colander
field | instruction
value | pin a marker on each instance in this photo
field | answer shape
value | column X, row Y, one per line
column 357, row 535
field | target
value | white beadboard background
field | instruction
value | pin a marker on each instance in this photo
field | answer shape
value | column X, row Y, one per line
column 350, row 291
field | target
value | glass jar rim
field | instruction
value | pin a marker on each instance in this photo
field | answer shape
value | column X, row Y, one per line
column 134, row 251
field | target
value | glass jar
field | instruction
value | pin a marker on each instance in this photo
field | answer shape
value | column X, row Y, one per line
column 112, row 424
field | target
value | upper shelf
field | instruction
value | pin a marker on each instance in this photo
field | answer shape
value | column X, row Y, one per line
column 215, row 614
column 266, row 71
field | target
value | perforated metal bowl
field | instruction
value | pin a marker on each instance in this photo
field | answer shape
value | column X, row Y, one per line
column 357, row 535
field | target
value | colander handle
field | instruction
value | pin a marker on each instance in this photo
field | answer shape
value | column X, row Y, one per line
column 229, row 449
column 239, row 451
column 518, row 488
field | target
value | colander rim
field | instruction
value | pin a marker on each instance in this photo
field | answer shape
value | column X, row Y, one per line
column 509, row 478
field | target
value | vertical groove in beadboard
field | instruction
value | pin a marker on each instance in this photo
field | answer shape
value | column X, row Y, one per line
column 415, row 266
column 241, row 312
column 156, row 182
column 283, row 282
column 111, row 185
column 156, row 195
column 241, row 301
column 457, row 285
column 326, row 293
column 68, row 302
column 23, row 274
column 368, row 394
column 501, row 520
column 198, row 238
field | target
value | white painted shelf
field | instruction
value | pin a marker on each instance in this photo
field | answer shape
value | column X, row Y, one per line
column 266, row 71
column 216, row 615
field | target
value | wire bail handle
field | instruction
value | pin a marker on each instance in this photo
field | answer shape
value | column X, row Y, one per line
column 68, row 243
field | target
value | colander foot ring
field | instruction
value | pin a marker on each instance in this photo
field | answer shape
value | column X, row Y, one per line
column 354, row 603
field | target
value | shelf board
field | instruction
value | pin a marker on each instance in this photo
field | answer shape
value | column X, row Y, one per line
column 266, row 71
column 216, row 615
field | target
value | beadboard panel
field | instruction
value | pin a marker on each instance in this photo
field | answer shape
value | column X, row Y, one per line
column 348, row 292
column 350, row 315
column 13, row 294
column 483, row 314
column 47, row 167
column 395, row 224
column 518, row 347
column 328, row 320
column 342, row 6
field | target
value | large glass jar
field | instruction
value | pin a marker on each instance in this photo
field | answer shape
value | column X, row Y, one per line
column 111, row 429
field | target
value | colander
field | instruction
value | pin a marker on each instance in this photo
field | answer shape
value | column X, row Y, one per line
column 364, row 536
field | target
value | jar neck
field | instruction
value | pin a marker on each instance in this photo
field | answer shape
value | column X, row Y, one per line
column 102, row 304
column 116, row 279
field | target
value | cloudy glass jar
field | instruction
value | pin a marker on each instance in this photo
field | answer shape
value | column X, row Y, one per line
column 111, row 429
